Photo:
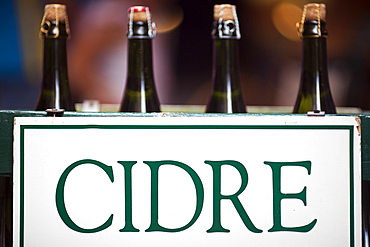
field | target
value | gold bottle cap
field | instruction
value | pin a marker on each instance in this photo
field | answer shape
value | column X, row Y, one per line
column 314, row 11
column 139, row 13
column 55, row 12
column 226, row 22
column 227, row 12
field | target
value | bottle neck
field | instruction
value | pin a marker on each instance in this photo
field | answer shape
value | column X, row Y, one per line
column 314, row 47
column 313, row 29
column 226, row 65
column 315, row 55
column 55, row 55
column 55, row 58
column 141, row 30
column 314, row 93
column 226, row 96
column 226, row 35
column 314, row 60
column 140, row 93
column 140, row 64
column 55, row 92
column 55, row 67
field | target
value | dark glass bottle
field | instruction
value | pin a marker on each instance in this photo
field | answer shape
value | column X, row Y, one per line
column 314, row 93
column 365, row 213
column 55, row 92
column 226, row 95
column 6, row 199
column 140, row 93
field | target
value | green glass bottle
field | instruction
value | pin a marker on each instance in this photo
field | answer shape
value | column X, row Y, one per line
column 226, row 95
column 365, row 213
column 6, row 200
column 55, row 92
column 314, row 93
column 140, row 93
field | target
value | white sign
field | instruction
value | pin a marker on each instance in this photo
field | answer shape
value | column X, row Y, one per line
column 187, row 181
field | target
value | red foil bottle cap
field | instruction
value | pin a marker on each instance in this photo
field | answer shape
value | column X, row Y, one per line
column 139, row 13
column 138, row 8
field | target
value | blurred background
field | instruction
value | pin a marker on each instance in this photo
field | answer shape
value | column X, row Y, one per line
column 270, row 50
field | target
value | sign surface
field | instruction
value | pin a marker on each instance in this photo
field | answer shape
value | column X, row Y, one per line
column 187, row 181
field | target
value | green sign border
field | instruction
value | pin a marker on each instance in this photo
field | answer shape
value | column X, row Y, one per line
column 350, row 128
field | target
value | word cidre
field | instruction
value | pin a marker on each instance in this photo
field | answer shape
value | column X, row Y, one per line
column 154, row 166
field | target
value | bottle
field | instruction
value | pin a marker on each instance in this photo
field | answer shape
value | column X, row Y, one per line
column 55, row 92
column 140, row 93
column 314, row 93
column 6, row 199
column 226, row 95
column 365, row 213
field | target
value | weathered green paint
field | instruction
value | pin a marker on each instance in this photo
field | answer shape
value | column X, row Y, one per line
column 6, row 137
column 7, row 121
column 365, row 146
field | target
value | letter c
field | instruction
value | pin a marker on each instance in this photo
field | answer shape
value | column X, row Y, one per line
column 59, row 196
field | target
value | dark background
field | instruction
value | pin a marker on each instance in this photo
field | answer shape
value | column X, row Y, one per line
column 270, row 50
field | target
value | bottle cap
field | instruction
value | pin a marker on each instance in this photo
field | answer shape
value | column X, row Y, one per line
column 139, row 13
column 56, row 14
column 226, row 24
column 315, row 11
column 312, row 13
column 140, row 23
column 224, row 12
